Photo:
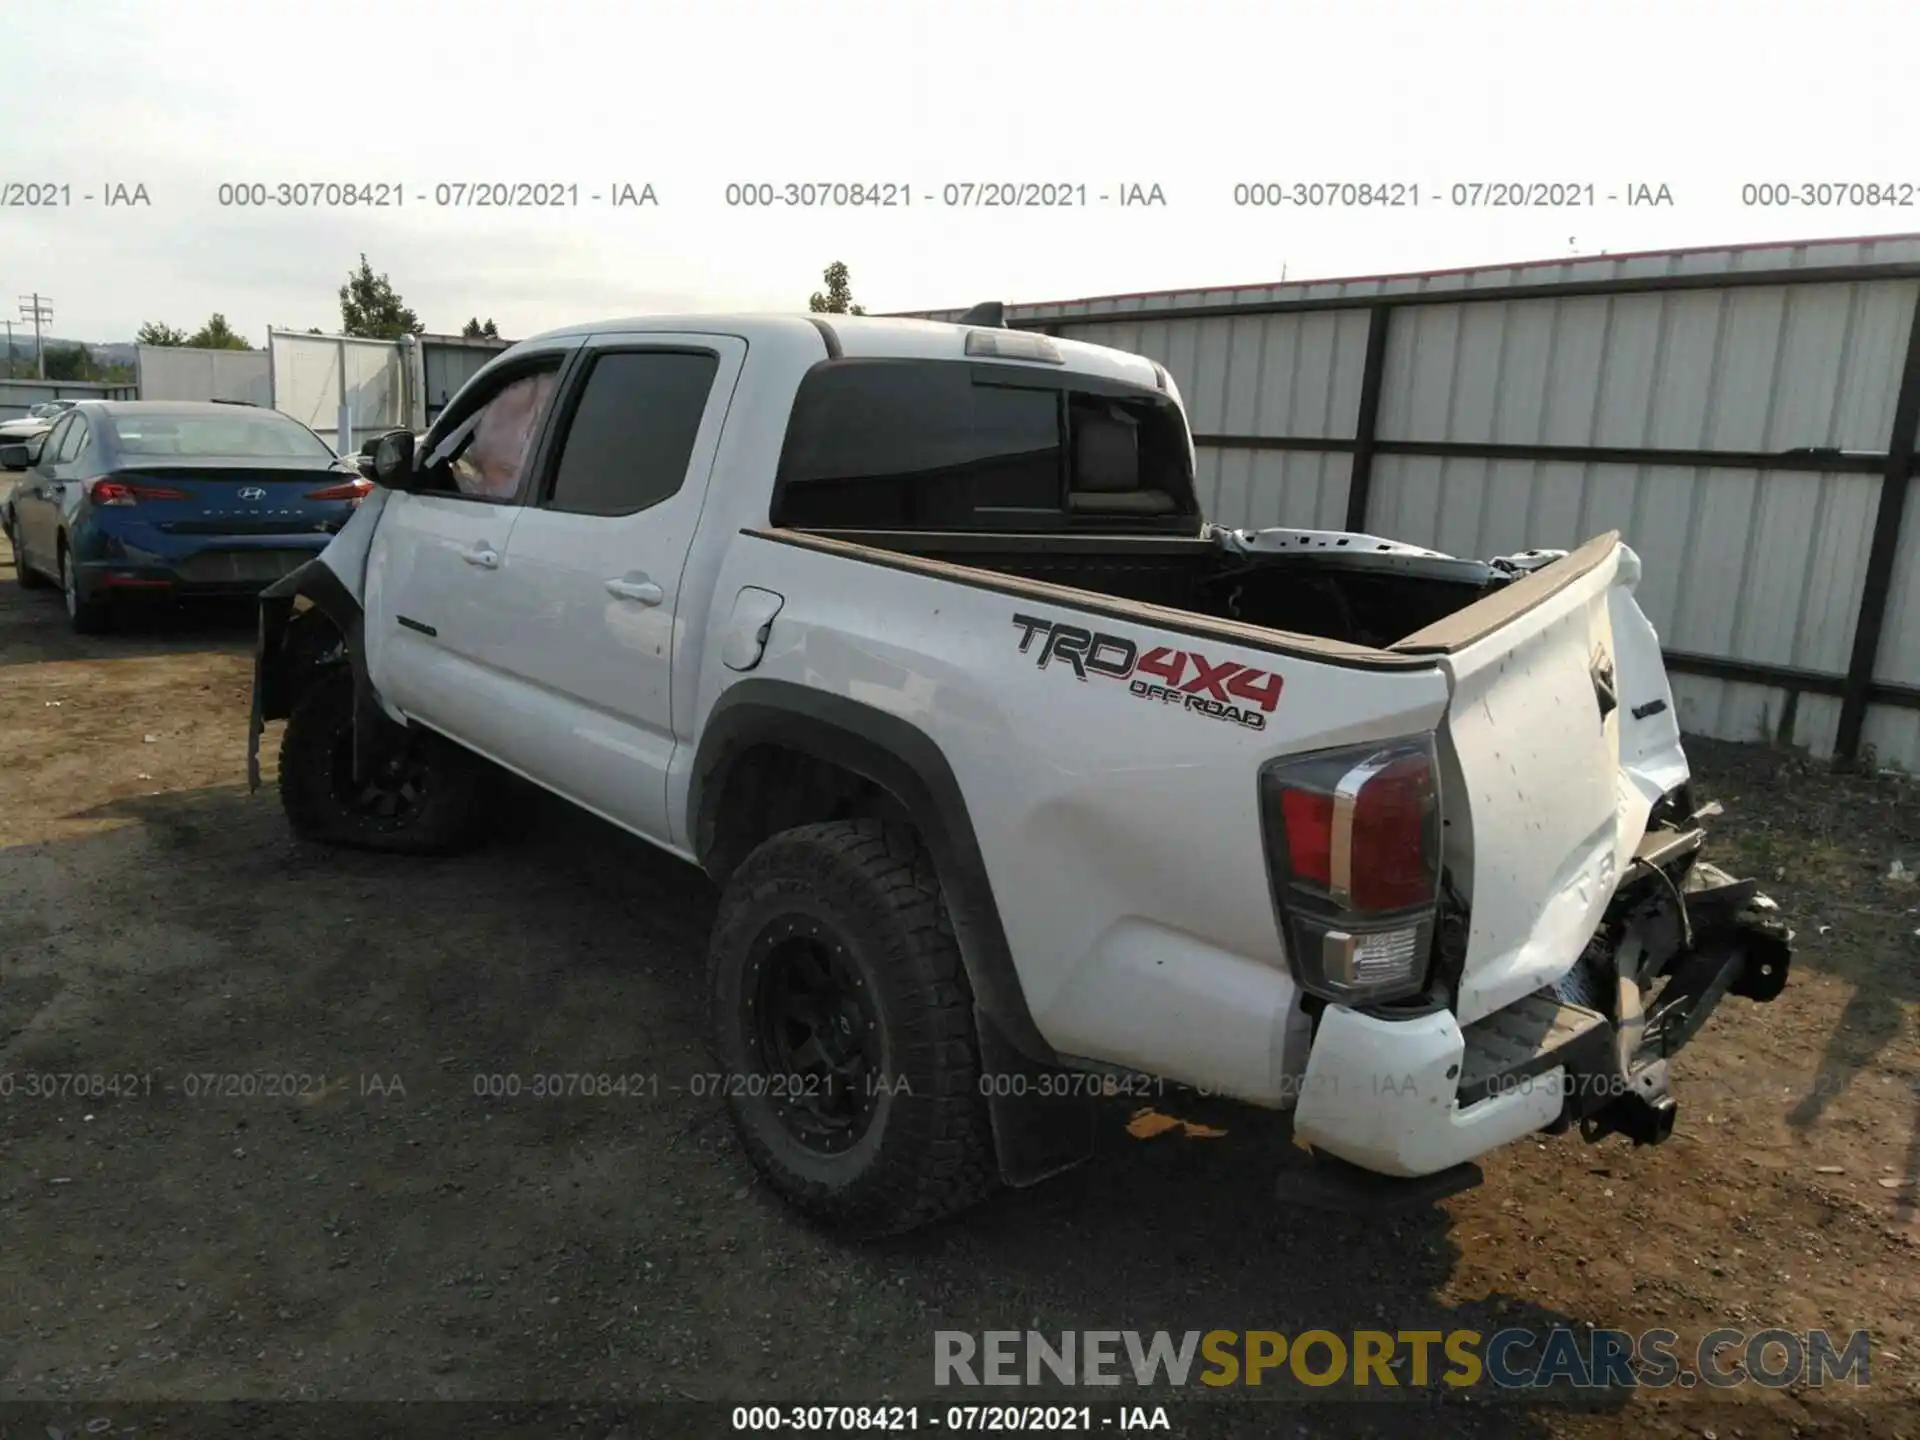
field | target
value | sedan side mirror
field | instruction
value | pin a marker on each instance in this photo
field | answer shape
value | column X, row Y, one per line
column 393, row 460
column 15, row 457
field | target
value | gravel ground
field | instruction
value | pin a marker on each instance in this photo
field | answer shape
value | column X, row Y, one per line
column 381, row 1232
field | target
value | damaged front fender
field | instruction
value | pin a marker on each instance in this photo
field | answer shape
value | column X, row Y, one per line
column 312, row 619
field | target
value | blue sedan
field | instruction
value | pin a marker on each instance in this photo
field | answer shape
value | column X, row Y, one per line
column 128, row 498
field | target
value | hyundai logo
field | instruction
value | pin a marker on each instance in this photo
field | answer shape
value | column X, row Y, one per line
column 252, row 492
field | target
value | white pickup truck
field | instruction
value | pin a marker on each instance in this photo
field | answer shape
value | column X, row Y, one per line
column 1023, row 782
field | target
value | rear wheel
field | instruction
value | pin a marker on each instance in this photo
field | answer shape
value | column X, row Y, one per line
column 425, row 795
column 843, row 1024
column 87, row 613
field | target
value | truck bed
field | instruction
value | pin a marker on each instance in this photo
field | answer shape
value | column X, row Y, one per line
column 1356, row 599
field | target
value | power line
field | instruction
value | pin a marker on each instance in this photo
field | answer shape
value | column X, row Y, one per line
column 37, row 308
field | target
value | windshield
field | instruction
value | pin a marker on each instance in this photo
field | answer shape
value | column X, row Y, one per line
column 221, row 437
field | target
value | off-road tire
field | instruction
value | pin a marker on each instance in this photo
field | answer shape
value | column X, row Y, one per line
column 451, row 813
column 927, row 1152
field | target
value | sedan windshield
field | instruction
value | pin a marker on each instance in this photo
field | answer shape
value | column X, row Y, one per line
column 223, row 437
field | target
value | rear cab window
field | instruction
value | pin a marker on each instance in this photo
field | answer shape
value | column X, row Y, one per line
column 958, row 445
column 631, row 435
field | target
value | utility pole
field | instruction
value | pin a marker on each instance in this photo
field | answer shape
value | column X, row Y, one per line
column 38, row 308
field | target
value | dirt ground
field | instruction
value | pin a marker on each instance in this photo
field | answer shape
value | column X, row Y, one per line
column 384, row 1233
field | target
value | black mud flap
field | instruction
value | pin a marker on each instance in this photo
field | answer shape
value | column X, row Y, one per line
column 276, row 608
column 1039, row 1129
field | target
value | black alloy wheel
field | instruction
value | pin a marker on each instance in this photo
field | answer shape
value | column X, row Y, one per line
column 817, row 1032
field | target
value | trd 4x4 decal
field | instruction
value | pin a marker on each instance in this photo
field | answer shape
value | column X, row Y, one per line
column 1227, row 690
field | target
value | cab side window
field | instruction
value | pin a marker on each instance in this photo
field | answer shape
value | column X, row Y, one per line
column 490, row 459
column 631, row 435
column 75, row 441
column 54, row 439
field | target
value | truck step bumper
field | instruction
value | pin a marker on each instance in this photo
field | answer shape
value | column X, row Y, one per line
column 1384, row 1095
column 1528, row 1039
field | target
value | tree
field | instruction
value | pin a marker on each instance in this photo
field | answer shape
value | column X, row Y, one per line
column 156, row 333
column 69, row 362
column 474, row 330
column 216, row 334
column 838, row 299
column 370, row 308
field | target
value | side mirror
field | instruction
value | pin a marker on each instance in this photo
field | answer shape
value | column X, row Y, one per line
column 16, row 457
column 393, row 460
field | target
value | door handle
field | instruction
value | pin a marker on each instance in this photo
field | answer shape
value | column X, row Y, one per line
column 638, row 588
column 485, row 556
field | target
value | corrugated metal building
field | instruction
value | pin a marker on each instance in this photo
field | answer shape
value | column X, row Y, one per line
column 386, row 383
column 446, row 363
column 1745, row 417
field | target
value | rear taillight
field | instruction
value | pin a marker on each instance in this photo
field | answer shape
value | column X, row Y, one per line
column 1353, row 842
column 122, row 492
column 356, row 489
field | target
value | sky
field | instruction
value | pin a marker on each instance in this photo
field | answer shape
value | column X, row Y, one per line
column 1197, row 98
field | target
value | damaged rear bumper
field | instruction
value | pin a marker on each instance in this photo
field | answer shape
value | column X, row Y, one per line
column 1419, row 1096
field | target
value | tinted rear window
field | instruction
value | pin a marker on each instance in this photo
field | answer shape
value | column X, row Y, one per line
column 935, row 445
column 631, row 437
column 217, row 437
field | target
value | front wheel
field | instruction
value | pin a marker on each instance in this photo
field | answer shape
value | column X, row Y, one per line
column 843, row 1023
column 424, row 795
column 24, row 574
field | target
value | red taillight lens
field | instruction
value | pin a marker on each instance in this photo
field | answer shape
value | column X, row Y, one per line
column 351, row 490
column 1361, row 826
column 1309, row 823
column 1389, row 867
column 1353, row 841
column 122, row 492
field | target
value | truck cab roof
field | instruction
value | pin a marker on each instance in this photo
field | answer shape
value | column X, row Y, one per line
column 877, row 337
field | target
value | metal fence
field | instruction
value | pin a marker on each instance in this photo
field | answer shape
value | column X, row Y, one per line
column 345, row 387
column 174, row 372
column 446, row 362
column 1746, row 419
column 18, row 396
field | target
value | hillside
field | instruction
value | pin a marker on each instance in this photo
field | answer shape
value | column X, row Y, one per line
column 112, row 352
